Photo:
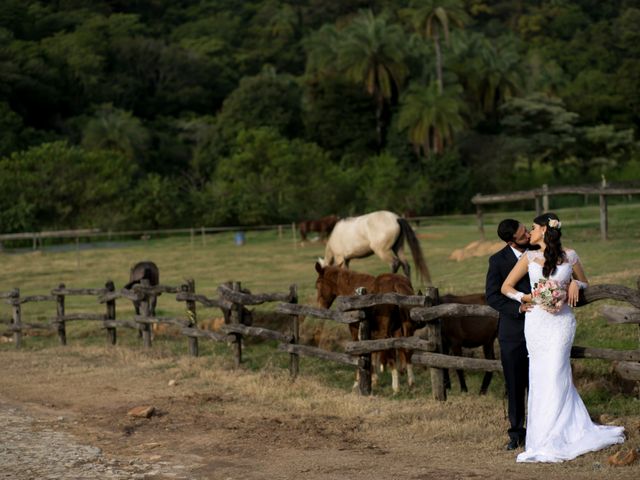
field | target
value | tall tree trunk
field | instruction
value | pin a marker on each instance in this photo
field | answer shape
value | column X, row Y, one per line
column 432, row 140
column 380, row 121
column 438, row 141
column 436, row 42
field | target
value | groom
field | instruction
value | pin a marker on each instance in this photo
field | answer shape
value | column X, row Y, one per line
column 513, row 349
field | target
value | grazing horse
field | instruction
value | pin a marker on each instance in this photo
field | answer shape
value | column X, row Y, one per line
column 323, row 226
column 468, row 332
column 386, row 320
column 144, row 271
column 382, row 233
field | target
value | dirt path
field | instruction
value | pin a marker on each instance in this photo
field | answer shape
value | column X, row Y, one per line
column 40, row 448
column 64, row 415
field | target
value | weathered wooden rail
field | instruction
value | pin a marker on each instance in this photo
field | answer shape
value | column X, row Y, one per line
column 232, row 300
column 428, row 314
column 94, row 233
column 541, row 198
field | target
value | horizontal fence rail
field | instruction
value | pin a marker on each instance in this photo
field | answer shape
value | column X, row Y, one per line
column 427, row 314
column 95, row 233
column 541, row 198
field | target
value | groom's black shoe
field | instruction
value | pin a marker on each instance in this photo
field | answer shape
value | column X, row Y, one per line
column 514, row 443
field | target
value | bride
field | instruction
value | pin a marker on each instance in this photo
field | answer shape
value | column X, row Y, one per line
column 558, row 425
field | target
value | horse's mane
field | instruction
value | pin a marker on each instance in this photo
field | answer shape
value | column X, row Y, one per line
column 342, row 278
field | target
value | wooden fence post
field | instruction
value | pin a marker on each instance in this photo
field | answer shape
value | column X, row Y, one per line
column 62, row 332
column 364, row 361
column 16, row 319
column 293, row 232
column 111, row 314
column 434, row 329
column 545, row 197
column 294, row 358
column 480, row 220
column 236, row 313
column 144, row 311
column 538, row 206
column 190, row 287
column 638, row 285
column 604, row 219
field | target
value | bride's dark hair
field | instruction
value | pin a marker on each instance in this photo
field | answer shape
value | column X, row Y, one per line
column 553, row 254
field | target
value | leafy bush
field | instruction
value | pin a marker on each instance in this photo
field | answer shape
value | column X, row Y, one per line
column 57, row 186
column 267, row 179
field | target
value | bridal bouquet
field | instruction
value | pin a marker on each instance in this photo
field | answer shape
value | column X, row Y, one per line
column 549, row 294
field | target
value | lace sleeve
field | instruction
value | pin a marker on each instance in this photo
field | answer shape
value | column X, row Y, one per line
column 572, row 257
column 531, row 255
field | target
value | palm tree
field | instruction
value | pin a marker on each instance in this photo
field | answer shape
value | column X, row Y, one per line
column 284, row 22
column 431, row 117
column 372, row 52
column 322, row 52
column 491, row 72
column 432, row 19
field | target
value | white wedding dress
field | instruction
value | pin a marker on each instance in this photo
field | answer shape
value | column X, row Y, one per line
column 558, row 425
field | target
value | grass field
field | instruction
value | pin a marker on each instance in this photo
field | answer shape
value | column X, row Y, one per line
column 268, row 262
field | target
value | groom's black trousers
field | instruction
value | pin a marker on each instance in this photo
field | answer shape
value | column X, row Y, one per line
column 515, row 365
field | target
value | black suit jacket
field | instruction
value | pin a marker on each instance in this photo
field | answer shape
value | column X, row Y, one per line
column 511, row 321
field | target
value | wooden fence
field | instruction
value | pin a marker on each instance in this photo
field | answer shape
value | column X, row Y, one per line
column 37, row 238
column 541, row 198
column 426, row 312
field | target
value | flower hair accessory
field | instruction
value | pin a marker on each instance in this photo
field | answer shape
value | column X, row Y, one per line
column 553, row 223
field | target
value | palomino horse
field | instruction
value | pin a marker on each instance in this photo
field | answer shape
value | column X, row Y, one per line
column 469, row 332
column 382, row 233
column 323, row 226
column 144, row 271
column 386, row 320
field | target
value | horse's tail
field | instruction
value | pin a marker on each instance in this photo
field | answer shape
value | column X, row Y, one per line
column 416, row 251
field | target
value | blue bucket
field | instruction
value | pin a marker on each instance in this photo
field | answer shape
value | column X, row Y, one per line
column 239, row 238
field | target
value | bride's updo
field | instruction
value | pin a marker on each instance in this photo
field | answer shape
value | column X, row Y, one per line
column 553, row 253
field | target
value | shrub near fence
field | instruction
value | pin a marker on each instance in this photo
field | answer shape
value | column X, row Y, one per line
column 426, row 312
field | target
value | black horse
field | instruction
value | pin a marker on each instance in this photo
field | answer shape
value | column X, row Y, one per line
column 144, row 271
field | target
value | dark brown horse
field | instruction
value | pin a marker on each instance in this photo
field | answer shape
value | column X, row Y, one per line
column 387, row 320
column 323, row 226
column 469, row 332
column 144, row 271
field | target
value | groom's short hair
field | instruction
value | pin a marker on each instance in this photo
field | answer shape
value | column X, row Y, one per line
column 507, row 229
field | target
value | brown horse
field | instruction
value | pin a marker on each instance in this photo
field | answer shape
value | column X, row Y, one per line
column 382, row 233
column 323, row 226
column 386, row 320
column 469, row 332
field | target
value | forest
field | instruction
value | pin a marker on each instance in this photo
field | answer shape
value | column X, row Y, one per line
column 175, row 113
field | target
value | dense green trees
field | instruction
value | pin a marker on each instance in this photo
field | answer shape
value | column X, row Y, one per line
column 56, row 186
column 268, row 178
column 176, row 113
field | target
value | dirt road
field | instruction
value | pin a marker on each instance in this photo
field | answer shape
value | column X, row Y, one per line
column 64, row 415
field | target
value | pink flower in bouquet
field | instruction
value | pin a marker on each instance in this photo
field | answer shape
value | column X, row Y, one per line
column 549, row 295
